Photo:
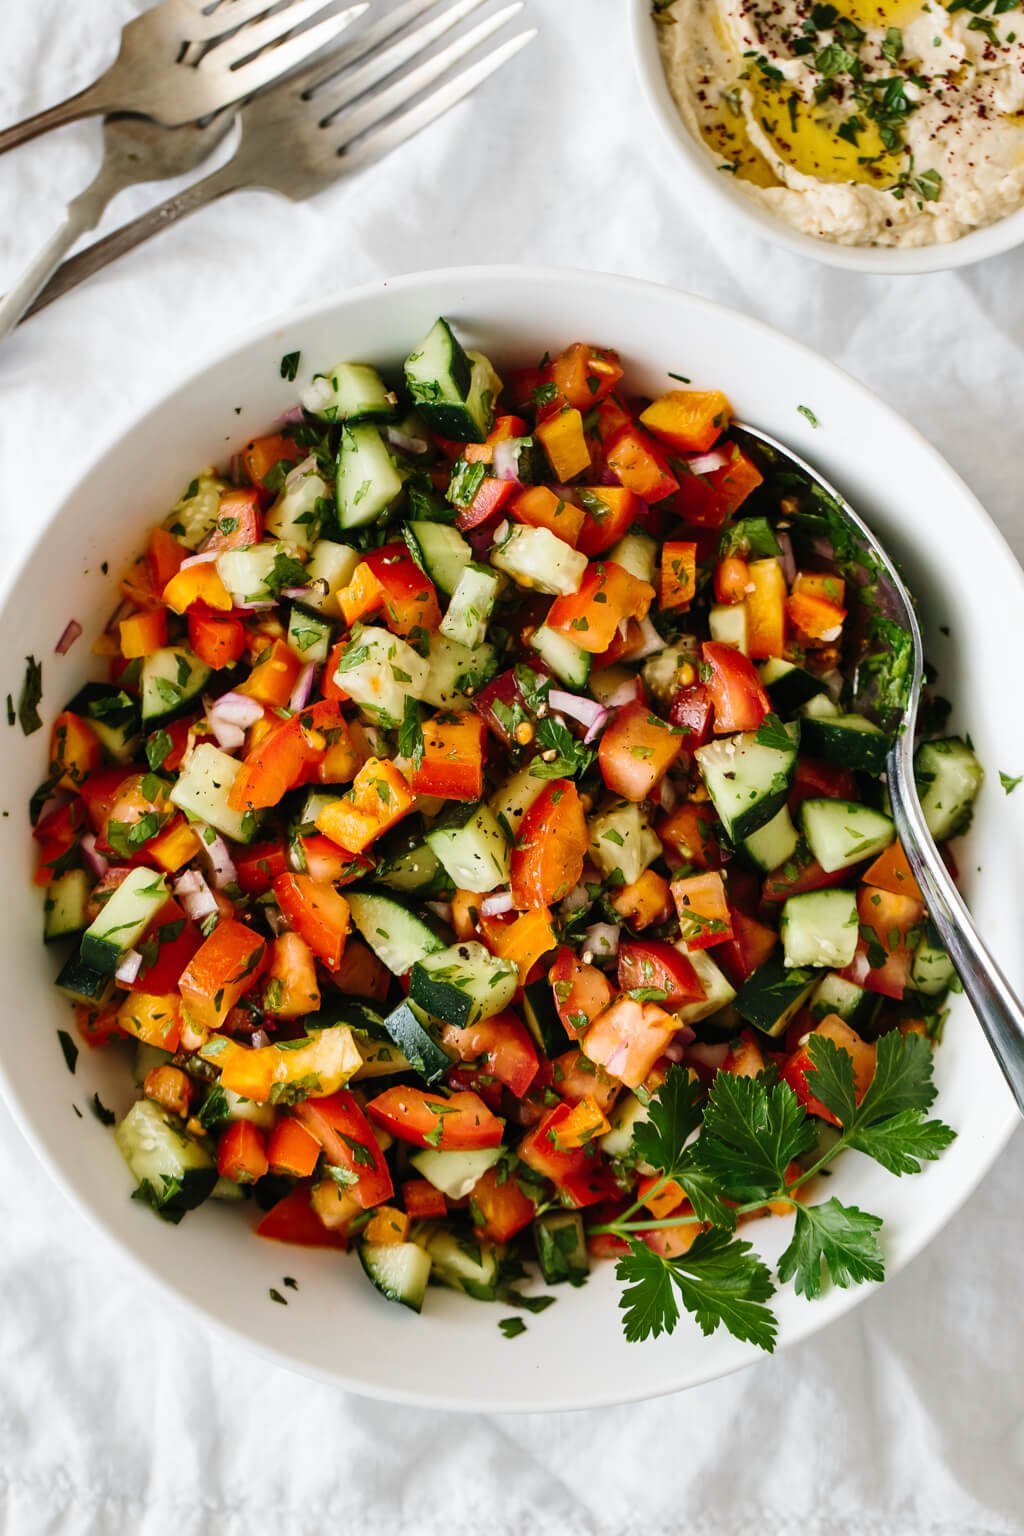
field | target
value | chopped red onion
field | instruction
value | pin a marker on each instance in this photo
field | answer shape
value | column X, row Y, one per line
column 317, row 396
column 258, row 606
column 317, row 588
column 129, row 968
column 576, row 900
column 303, row 688
column 710, row 1056
column 506, row 458
column 295, row 477
column 292, row 417
column 195, row 895
column 260, row 1039
column 602, row 940
column 440, row 909
column 665, row 795
column 405, row 441
column 68, row 638
column 497, row 904
column 214, row 851
column 706, row 463
column 229, row 717
column 587, row 711
column 95, row 860
column 480, row 538
column 205, row 557
column 788, row 561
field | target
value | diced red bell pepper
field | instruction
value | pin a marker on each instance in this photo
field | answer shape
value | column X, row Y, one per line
column 608, row 512
column 408, row 597
column 317, row 913
column 293, row 1220
column 457, row 1123
column 226, row 965
column 259, row 865
column 798, row 1070
column 177, row 938
column 710, row 500
column 341, row 1128
column 292, row 1148
column 242, row 1153
column 490, row 496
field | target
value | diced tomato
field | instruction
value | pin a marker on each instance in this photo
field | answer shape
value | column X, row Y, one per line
column 550, row 847
column 574, row 1077
column 488, row 499
column 242, row 1153
column 452, row 764
column 292, row 1149
column 177, row 734
column 281, row 758
column 748, row 949
column 657, row 967
column 638, row 463
column 636, row 750
column 585, row 375
column 259, row 865
column 164, row 554
column 239, row 521
column 628, row 1038
column 703, row 909
column 216, row 639
column 458, row 1123
column 540, row 1150
column 691, row 713
column 96, row 1025
column 347, row 1138
column 798, row 1070
column 734, row 688
column 745, row 1058
column 360, row 973
column 608, row 511
column 422, row 1201
column 75, row 751
column 501, row 1045
column 317, row 912
column 293, row 1220
column 644, row 901
column 710, row 500
column 606, row 597
column 732, row 578
column 690, row 834
column 580, row 990
column 499, row 1207
column 815, row 780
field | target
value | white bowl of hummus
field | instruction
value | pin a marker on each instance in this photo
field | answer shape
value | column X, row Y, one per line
column 884, row 135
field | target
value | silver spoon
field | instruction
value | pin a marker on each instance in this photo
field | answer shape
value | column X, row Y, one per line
column 990, row 994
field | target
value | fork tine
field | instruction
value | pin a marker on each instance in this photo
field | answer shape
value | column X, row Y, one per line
column 386, row 61
column 383, row 103
column 261, row 33
column 229, row 14
column 370, row 37
column 278, row 61
column 375, row 145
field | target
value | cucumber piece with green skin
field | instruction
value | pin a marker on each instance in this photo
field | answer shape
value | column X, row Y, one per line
column 123, row 920
column 67, row 897
column 948, row 777
column 821, row 707
column 194, row 515
column 471, row 606
column 834, row 994
column 380, row 1059
column 175, row 1172
column 309, row 636
column 622, row 839
column 172, row 679
column 439, row 377
column 379, row 671
column 409, row 1029
column 774, row 843
column 470, row 1265
column 841, row 833
column 771, row 997
column 247, row 572
column 82, row 984
column 455, row 672
column 569, row 663
column 511, row 802
column 539, row 560
column 788, row 686
column 455, row 1173
column 727, row 623
column 368, row 483
column 471, row 845
column 400, row 1271
column 411, row 865
column 561, row 1244
column 113, row 716
column 352, row 392
column 627, row 1113
column 440, row 551
column 932, row 972
column 541, row 1018
column 397, row 936
column 202, row 788
column 849, row 741
column 463, row 984
column 719, row 991
column 748, row 781
column 296, row 515
column 819, row 928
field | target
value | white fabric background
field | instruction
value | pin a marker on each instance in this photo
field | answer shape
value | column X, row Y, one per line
column 117, row 1414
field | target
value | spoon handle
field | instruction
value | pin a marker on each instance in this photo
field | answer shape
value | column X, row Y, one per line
column 990, row 994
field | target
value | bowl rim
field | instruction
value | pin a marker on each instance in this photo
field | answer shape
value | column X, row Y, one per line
column 996, row 239
column 810, row 1320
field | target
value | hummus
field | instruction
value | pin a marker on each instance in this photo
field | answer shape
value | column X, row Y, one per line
column 866, row 122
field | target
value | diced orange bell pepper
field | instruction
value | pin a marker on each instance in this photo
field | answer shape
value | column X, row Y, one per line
column 174, row 846
column 282, row 753
column 290, row 987
column 891, row 871
column 550, row 847
column 465, row 907
column 608, row 512
column 585, row 1121
column 703, row 909
column 499, row 1207
column 317, row 912
column 585, row 375
column 732, row 578
column 661, row 1201
column 96, row 1025
column 525, row 940
column 217, row 640
column 143, row 633
column 607, row 595
column 539, row 507
column 766, row 609
column 292, row 1150
column 362, row 596
column 422, row 1201
column 387, row 1225
column 814, row 617
column 151, row 1019
column 822, row 584
column 197, row 584
column 678, row 574
column 260, row 456
column 563, row 440
column 242, row 1153
column 75, row 751
column 645, row 901
column 138, row 587
column 452, row 764
column 225, row 965
column 341, row 760
column 688, row 420
column 273, row 676
column 638, row 464
column 165, row 555
column 379, row 798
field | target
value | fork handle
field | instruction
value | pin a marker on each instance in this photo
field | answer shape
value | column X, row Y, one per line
column 998, row 1009
column 85, row 103
column 98, row 255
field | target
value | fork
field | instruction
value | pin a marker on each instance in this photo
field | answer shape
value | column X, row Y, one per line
column 153, row 73
column 302, row 134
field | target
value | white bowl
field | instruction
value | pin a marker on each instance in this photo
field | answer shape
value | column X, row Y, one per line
column 703, row 178
column 336, row 1326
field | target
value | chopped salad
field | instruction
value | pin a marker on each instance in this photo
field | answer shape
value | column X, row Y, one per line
column 476, row 845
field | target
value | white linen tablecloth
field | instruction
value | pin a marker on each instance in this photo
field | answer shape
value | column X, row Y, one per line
column 118, row 1414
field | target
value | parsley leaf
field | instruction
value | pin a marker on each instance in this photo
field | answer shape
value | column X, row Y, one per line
column 772, row 733
column 410, row 733
column 720, row 1280
column 889, row 1123
column 285, row 572
column 1009, row 784
column 840, row 1236
column 30, row 696
column 673, row 1116
column 511, row 1327
column 900, row 1142
column 752, row 1132
column 571, row 758
column 290, row 365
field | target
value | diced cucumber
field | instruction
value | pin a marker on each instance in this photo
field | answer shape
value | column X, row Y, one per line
column 834, row 994
column 568, row 662
column 397, row 936
column 202, row 788
column 351, row 392
column 484, row 389
column 747, row 780
column 538, row 560
column 173, row 1170
column 113, row 716
column 82, row 984
column 308, row 635
column 622, row 839
column 849, row 741
column 819, row 928
column 298, row 512
column 637, row 553
column 380, row 1058
column 471, row 606
column 193, row 517
column 455, row 673
column 222, row 1105
column 627, row 1113
column 561, row 1245
column 380, row 671
column 840, row 833
column 440, row 551
column 147, row 1059
column 718, row 989
column 949, row 777
column 368, row 482
column 462, row 984
column 67, row 897
column 773, row 995
column 400, row 1271
column 787, row 685
column 410, row 864
column 469, row 1265
column 661, row 672
column 472, row 847
column 245, row 572
column 409, row 1029
column 228, row 1190
column 541, row 1018
column 171, row 679
column 512, row 801
column 932, row 971
column 774, row 843
column 820, row 706
column 727, row 623
column 334, row 564
column 123, row 919
column 439, row 376
column 455, row 1173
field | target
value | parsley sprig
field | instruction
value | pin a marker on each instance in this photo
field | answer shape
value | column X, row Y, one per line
column 749, row 1144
